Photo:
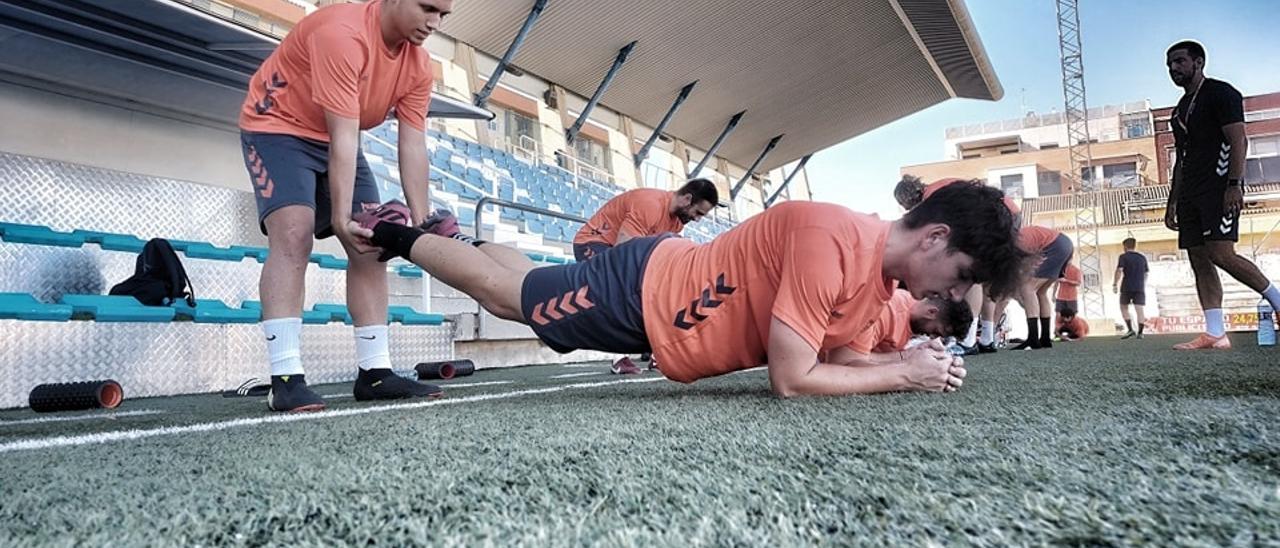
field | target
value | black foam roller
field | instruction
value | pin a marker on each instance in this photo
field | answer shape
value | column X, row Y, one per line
column 445, row 370
column 75, row 396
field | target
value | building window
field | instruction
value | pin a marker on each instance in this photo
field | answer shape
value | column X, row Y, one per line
column 1120, row 175
column 592, row 152
column 1264, row 146
column 1135, row 125
column 1259, row 115
column 515, row 127
column 1012, row 185
column 1047, row 146
column 1172, row 153
column 1049, row 183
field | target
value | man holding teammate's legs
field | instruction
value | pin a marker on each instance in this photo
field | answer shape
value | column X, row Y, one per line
column 341, row 69
column 776, row 289
column 1208, row 194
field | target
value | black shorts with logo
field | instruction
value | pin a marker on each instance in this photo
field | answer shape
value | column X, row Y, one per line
column 594, row 304
column 287, row 170
column 1203, row 220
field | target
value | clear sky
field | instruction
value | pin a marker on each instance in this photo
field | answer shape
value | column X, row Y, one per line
column 1124, row 43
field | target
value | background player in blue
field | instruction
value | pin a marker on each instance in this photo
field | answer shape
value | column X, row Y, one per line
column 1132, row 269
column 1206, row 198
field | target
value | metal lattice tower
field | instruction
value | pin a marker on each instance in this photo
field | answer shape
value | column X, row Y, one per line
column 1084, row 188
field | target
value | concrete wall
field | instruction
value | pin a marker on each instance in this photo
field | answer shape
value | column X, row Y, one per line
column 47, row 124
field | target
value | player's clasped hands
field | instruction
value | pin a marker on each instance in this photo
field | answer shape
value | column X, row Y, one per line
column 930, row 368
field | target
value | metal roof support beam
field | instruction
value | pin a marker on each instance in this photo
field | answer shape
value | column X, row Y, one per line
column 787, row 181
column 733, row 194
column 483, row 96
column 657, row 131
column 572, row 133
column 728, row 128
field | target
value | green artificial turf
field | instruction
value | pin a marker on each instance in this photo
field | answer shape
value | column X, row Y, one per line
column 1104, row 442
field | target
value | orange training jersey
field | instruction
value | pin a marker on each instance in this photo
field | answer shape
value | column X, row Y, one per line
column 707, row 308
column 1069, row 290
column 1034, row 239
column 1077, row 328
column 335, row 60
column 892, row 329
column 641, row 212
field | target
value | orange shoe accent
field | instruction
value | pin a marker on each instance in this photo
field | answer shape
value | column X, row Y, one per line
column 1205, row 341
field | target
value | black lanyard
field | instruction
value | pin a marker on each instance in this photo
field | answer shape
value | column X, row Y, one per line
column 1182, row 120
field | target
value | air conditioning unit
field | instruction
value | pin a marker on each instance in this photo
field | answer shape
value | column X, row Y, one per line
column 549, row 97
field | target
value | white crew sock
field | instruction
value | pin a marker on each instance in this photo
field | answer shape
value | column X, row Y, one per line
column 1213, row 322
column 284, row 345
column 1272, row 294
column 971, row 337
column 988, row 332
column 371, row 347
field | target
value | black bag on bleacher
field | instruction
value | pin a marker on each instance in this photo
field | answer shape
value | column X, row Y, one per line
column 158, row 278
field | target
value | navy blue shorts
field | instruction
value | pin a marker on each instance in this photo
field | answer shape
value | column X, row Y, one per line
column 591, row 305
column 583, row 252
column 1067, row 308
column 1056, row 258
column 287, row 170
column 1133, row 297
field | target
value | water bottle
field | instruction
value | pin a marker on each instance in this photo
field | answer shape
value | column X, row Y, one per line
column 1266, row 324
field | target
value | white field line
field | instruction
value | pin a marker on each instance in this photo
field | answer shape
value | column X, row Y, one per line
column 40, row 420
column 129, row 435
column 571, row 375
column 460, row 385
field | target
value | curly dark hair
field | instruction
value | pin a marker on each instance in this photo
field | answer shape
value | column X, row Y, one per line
column 981, row 227
column 955, row 317
column 909, row 192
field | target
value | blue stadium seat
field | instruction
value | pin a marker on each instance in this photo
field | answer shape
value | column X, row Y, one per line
column 202, row 250
column 257, row 253
column 92, row 236
column 216, row 311
column 409, row 316
column 116, row 308
column 309, row 317
column 22, row 306
column 328, row 261
column 409, row 271
column 122, row 242
column 337, row 312
column 41, row 235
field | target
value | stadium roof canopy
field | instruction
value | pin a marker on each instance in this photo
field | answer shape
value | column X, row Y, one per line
column 819, row 71
column 158, row 53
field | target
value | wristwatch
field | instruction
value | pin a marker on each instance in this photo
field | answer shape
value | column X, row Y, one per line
column 1233, row 182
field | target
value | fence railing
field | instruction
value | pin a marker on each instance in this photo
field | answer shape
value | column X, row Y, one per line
column 487, row 200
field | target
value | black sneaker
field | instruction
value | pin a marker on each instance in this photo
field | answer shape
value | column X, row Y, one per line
column 1027, row 345
column 384, row 384
column 289, row 393
column 1046, row 343
column 1130, row 335
column 1139, row 335
column 987, row 348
